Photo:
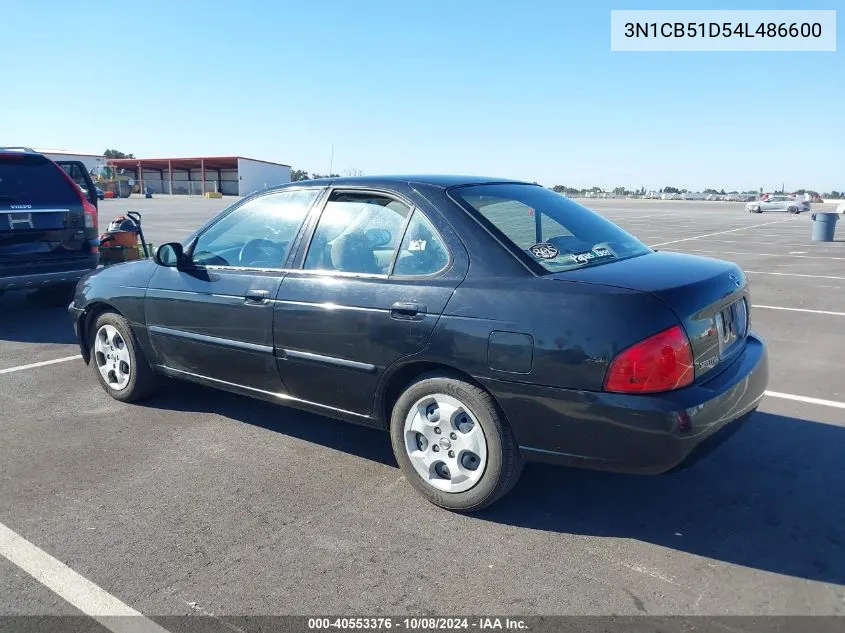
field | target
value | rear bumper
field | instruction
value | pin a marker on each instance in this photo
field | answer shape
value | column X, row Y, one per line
column 41, row 279
column 634, row 433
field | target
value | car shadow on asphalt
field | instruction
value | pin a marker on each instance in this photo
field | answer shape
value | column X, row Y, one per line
column 354, row 439
column 771, row 498
column 35, row 317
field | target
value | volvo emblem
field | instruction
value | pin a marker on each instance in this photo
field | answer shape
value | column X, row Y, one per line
column 736, row 280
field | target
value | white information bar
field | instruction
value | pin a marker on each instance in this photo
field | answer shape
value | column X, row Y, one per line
column 723, row 30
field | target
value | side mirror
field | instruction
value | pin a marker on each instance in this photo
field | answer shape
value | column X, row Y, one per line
column 170, row 255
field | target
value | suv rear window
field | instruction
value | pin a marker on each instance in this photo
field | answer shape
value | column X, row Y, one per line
column 28, row 179
column 550, row 229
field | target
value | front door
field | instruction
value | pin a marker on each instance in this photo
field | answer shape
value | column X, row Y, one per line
column 214, row 319
column 369, row 290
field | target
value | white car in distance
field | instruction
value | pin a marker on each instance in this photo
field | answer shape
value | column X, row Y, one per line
column 778, row 203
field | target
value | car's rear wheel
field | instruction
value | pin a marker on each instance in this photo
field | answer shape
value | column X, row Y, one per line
column 453, row 443
column 118, row 361
column 792, row 209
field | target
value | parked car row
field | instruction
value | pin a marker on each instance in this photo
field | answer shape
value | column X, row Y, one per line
column 689, row 195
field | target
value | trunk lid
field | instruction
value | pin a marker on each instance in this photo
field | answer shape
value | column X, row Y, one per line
column 41, row 215
column 709, row 297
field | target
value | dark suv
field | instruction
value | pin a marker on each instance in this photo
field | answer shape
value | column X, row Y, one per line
column 48, row 221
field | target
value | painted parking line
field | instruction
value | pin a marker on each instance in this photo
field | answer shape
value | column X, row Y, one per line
column 83, row 594
column 805, row 245
column 742, row 228
column 697, row 250
column 10, row 370
column 805, row 399
column 760, row 272
column 799, row 310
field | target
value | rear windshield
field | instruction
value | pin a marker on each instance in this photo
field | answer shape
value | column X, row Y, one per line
column 549, row 228
column 33, row 180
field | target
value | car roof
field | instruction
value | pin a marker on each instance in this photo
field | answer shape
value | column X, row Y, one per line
column 443, row 181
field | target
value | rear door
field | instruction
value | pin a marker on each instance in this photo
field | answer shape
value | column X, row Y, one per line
column 43, row 224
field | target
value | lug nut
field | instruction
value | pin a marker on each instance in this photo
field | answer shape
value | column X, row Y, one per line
column 451, row 453
column 437, row 430
column 454, row 436
column 435, row 448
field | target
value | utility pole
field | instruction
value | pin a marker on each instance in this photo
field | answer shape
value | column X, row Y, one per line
column 331, row 161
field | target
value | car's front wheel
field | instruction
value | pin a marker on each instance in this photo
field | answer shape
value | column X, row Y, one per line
column 118, row 361
column 453, row 443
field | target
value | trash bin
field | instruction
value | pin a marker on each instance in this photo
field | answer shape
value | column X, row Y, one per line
column 824, row 226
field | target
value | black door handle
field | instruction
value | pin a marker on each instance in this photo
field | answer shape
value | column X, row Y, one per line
column 402, row 310
column 256, row 296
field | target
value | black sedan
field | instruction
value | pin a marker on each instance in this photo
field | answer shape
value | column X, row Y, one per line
column 483, row 322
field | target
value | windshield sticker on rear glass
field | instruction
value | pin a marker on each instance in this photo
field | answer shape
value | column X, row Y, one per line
column 544, row 250
column 596, row 253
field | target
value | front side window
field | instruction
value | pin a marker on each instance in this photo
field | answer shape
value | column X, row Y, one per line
column 554, row 231
column 258, row 234
column 357, row 233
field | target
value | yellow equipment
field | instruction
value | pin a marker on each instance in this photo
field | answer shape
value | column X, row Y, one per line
column 108, row 178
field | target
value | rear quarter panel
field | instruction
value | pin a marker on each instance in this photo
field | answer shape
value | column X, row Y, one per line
column 576, row 329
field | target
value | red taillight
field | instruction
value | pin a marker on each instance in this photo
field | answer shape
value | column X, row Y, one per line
column 90, row 212
column 88, row 209
column 662, row 362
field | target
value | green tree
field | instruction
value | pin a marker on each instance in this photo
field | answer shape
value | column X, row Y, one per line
column 298, row 174
column 670, row 190
column 113, row 153
column 318, row 176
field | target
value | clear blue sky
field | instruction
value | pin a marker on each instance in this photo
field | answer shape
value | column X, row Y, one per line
column 524, row 89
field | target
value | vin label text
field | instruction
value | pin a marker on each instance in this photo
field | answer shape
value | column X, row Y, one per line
column 723, row 30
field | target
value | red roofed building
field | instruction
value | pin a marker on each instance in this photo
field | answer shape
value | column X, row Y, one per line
column 229, row 175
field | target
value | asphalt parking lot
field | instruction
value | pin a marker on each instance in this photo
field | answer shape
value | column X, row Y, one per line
column 204, row 502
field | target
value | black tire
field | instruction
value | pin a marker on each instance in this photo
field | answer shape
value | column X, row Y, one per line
column 504, row 460
column 792, row 210
column 142, row 378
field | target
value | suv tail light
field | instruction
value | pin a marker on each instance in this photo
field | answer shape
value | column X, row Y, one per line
column 88, row 209
column 662, row 362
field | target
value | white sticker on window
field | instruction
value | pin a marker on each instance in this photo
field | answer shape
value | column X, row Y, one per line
column 417, row 245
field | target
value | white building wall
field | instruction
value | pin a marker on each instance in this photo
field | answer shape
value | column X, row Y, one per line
column 254, row 175
column 89, row 160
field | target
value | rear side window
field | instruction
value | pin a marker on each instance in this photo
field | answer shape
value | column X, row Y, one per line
column 555, row 232
column 34, row 180
column 357, row 233
column 423, row 251
column 76, row 173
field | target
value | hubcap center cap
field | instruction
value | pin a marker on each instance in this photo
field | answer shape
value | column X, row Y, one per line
column 445, row 443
